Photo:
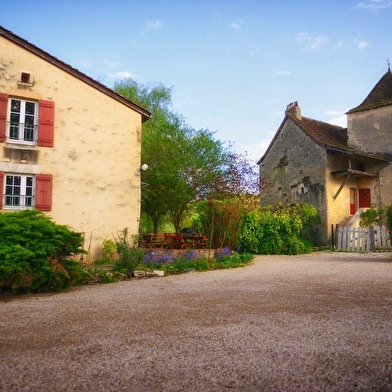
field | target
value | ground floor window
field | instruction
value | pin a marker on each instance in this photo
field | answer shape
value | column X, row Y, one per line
column 19, row 191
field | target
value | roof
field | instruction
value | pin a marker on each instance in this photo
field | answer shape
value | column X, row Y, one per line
column 381, row 95
column 331, row 137
column 74, row 72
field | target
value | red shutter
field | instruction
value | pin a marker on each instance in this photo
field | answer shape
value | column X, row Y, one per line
column 1, row 189
column 3, row 115
column 46, row 123
column 43, row 192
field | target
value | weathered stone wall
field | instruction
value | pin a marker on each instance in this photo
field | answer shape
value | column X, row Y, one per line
column 95, row 160
column 371, row 130
column 294, row 172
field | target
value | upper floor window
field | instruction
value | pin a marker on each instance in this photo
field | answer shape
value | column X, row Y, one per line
column 22, row 123
column 26, row 122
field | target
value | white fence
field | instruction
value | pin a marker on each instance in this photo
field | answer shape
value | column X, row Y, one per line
column 359, row 239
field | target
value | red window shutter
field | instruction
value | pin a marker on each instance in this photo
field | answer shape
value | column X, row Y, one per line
column 1, row 189
column 43, row 192
column 46, row 123
column 3, row 115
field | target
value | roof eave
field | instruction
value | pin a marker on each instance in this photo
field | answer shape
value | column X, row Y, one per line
column 146, row 115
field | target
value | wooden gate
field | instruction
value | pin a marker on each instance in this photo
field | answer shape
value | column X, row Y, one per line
column 360, row 239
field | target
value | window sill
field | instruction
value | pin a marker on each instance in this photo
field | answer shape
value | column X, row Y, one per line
column 17, row 146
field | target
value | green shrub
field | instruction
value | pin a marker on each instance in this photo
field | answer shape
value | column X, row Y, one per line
column 129, row 255
column 274, row 231
column 108, row 252
column 34, row 252
column 374, row 215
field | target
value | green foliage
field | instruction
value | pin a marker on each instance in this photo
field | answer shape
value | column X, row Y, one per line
column 98, row 275
column 220, row 221
column 371, row 216
column 185, row 165
column 275, row 230
column 190, row 261
column 34, row 252
column 227, row 259
column 377, row 216
column 130, row 256
column 388, row 213
column 108, row 252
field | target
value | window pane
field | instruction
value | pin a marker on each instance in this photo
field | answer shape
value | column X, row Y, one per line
column 30, row 108
column 15, row 106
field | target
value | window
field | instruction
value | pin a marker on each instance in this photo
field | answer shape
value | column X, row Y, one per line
column 19, row 191
column 23, row 122
column 26, row 78
column 26, row 122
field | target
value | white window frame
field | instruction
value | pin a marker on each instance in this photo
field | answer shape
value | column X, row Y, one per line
column 25, row 129
column 19, row 191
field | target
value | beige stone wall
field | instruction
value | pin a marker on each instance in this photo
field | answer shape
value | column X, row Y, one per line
column 371, row 130
column 95, row 160
column 294, row 172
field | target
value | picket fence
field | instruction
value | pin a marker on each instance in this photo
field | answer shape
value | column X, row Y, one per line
column 359, row 239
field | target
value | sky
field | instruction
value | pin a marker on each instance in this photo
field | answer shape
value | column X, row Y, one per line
column 233, row 66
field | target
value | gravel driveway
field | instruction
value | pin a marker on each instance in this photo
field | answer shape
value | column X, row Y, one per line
column 320, row 322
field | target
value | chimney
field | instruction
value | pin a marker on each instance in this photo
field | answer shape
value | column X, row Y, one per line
column 293, row 108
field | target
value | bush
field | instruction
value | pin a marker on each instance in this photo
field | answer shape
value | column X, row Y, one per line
column 129, row 255
column 34, row 252
column 274, row 231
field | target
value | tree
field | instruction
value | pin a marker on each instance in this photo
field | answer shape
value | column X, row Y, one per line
column 185, row 165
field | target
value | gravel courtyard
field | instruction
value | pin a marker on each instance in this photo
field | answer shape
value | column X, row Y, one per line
column 319, row 322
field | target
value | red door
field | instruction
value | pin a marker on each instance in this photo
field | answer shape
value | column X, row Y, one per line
column 364, row 198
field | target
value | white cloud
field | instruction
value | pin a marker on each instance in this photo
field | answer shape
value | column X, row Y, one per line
column 83, row 64
column 152, row 26
column 311, row 43
column 253, row 51
column 235, row 26
column 361, row 44
column 341, row 43
column 338, row 117
column 340, row 121
column 374, row 5
column 123, row 75
column 110, row 64
column 257, row 150
column 155, row 25
column 284, row 72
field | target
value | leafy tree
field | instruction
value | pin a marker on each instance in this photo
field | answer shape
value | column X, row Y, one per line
column 185, row 165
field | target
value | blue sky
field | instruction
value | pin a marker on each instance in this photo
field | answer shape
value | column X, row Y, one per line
column 233, row 65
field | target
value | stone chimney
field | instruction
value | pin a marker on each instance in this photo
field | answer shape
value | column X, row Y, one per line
column 293, row 108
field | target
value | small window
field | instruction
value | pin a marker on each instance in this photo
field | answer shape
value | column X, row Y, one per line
column 26, row 78
column 19, row 191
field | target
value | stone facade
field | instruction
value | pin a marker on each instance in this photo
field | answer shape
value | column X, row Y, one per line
column 91, row 164
column 337, row 170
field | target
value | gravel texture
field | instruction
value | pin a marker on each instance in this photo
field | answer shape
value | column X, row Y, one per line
column 319, row 322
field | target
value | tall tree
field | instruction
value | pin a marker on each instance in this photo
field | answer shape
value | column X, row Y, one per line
column 185, row 165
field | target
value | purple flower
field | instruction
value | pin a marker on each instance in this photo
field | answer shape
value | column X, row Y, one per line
column 223, row 253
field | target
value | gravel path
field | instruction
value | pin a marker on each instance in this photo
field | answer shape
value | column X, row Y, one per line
column 320, row 322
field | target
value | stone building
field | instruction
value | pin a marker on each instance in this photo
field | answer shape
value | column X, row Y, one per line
column 69, row 146
column 337, row 170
